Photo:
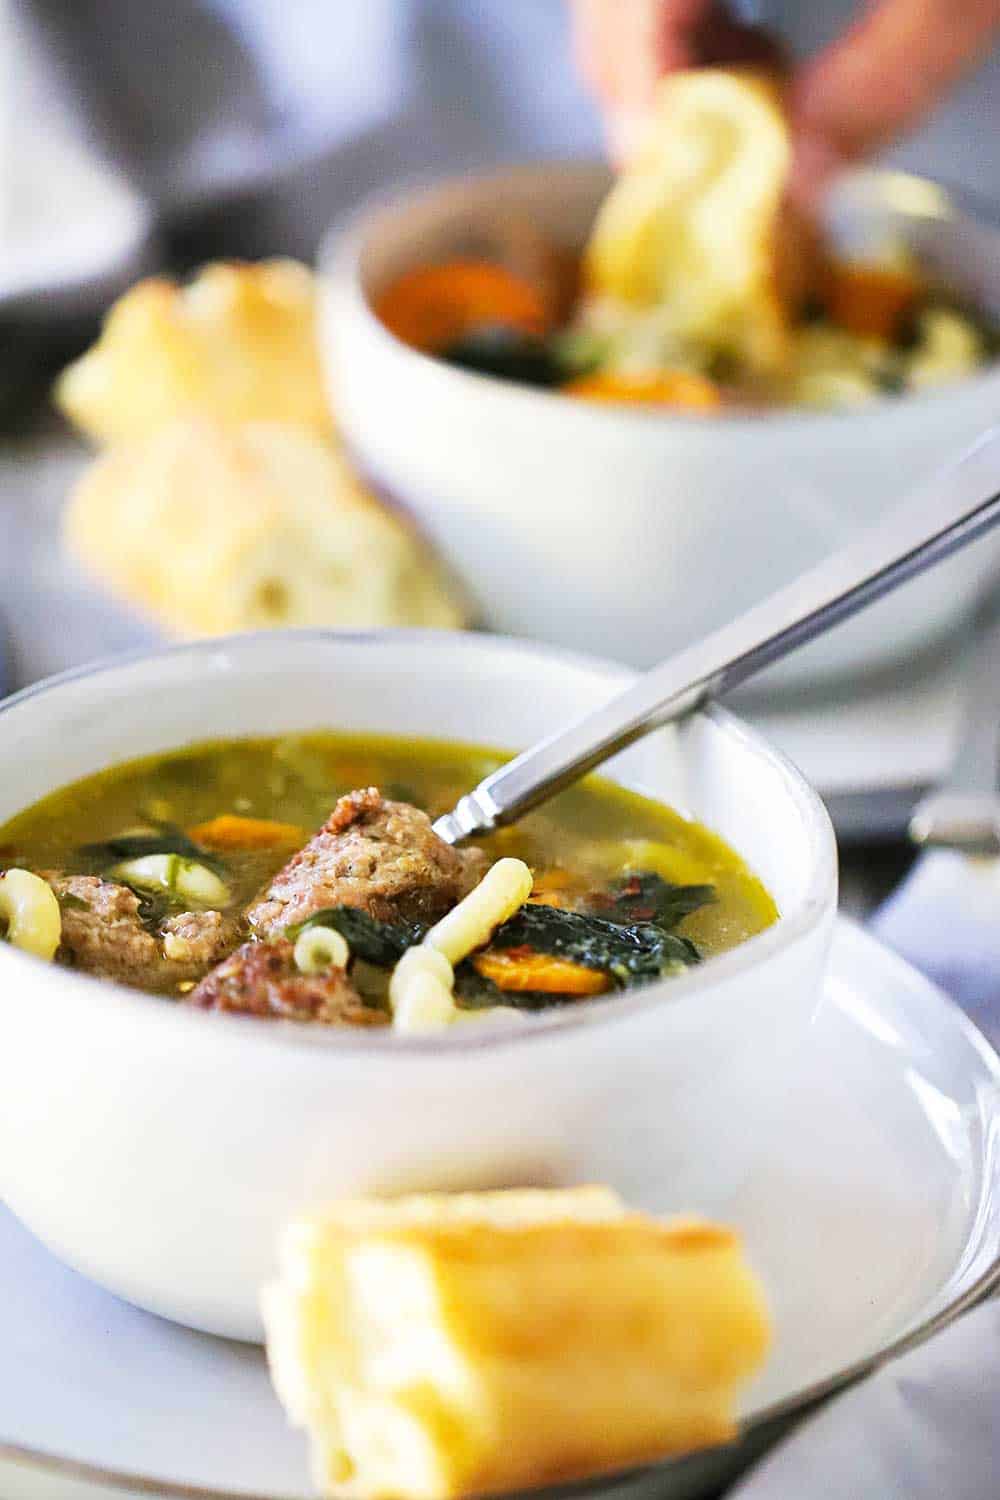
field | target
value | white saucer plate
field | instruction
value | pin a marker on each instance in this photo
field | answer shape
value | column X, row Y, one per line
column 873, row 1221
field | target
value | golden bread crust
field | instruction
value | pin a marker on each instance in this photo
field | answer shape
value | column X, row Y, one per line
column 212, row 528
column 446, row 1346
column 237, row 343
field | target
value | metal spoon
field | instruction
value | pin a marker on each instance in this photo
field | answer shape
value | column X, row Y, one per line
column 959, row 503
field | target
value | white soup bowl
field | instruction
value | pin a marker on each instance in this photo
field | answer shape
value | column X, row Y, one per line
column 159, row 1149
column 624, row 531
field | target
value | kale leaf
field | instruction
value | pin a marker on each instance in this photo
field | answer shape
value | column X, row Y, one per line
column 380, row 943
column 507, row 354
column 69, row 902
column 630, row 954
column 167, row 839
column 631, row 940
column 647, row 897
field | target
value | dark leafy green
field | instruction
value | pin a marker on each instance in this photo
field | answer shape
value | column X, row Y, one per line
column 380, row 943
column 891, row 378
column 506, row 354
column 155, row 906
column 69, row 902
column 647, row 897
column 630, row 941
column 167, row 839
column 630, row 954
column 579, row 352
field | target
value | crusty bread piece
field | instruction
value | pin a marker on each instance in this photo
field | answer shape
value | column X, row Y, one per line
column 238, row 343
column 212, row 528
column 442, row 1346
column 691, row 227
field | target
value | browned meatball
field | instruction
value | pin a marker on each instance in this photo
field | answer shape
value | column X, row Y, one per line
column 198, row 939
column 260, row 979
column 382, row 857
column 103, row 934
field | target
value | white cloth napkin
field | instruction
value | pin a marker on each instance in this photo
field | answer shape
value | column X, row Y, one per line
column 924, row 1428
column 945, row 919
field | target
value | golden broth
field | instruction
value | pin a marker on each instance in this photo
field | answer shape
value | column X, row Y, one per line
column 583, row 839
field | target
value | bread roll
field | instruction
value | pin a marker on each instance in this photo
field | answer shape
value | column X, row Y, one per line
column 211, row 528
column 237, row 343
column 690, row 232
column 443, row 1346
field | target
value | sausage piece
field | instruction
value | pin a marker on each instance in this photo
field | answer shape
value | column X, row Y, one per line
column 103, row 934
column 381, row 857
column 260, row 979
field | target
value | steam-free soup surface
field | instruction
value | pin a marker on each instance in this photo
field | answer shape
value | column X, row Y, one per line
column 583, row 843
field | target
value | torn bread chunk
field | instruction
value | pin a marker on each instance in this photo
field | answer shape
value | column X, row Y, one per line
column 683, row 257
column 379, row 856
column 211, row 528
column 452, row 1345
column 263, row 979
column 237, row 342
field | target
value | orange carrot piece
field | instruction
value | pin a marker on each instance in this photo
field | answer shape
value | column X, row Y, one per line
column 231, row 832
column 870, row 301
column 434, row 306
column 554, row 887
column 678, row 388
column 517, row 970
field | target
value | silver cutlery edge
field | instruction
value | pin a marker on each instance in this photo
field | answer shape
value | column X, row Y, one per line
column 956, row 505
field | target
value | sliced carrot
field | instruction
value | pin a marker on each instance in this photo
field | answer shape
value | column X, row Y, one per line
column 554, row 887
column 231, row 832
column 518, row 970
column 678, row 388
column 871, row 301
column 435, row 306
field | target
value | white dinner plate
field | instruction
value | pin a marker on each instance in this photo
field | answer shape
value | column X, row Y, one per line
column 872, row 1222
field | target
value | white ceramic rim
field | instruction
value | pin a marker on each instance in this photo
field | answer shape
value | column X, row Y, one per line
column 340, row 255
column 814, row 905
column 773, row 1416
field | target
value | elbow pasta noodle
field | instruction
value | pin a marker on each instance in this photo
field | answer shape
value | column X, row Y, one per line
column 31, row 913
column 320, row 948
column 502, row 891
column 420, row 990
column 419, row 960
column 424, row 1005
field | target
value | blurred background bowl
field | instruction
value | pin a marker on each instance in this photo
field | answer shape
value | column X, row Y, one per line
column 627, row 531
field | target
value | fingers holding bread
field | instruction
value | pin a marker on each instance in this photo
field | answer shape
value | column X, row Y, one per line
column 692, row 224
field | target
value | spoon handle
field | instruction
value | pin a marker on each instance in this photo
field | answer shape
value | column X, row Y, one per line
column 959, row 503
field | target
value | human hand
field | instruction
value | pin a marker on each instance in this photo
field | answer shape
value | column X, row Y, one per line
column 882, row 76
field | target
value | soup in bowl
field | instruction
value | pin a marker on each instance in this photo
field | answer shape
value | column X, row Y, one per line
column 288, row 878
column 624, row 528
column 158, row 1142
